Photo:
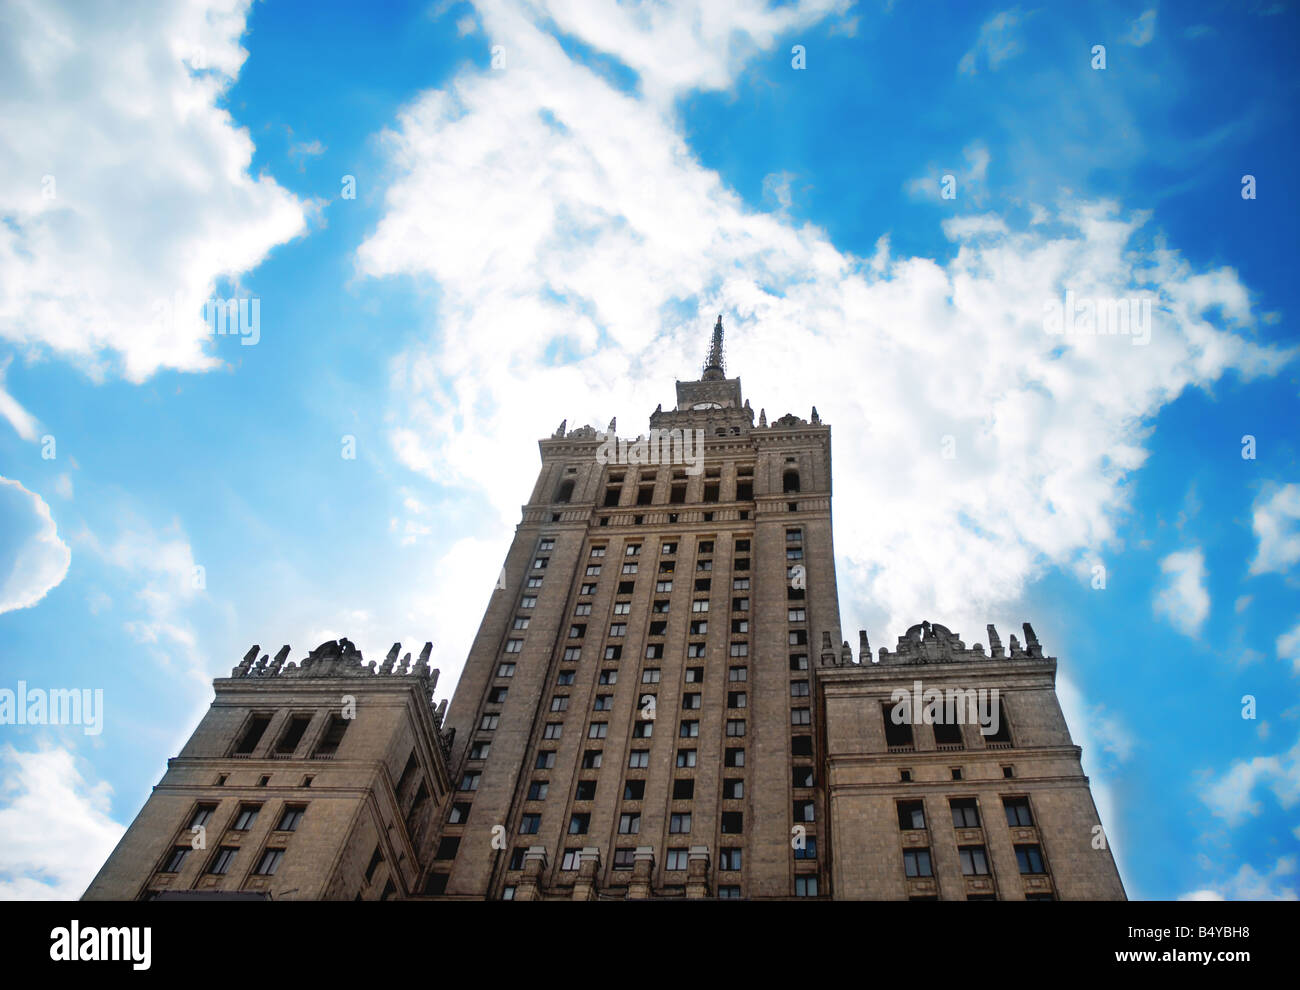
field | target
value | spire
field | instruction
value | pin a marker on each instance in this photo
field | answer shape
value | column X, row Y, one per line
column 714, row 368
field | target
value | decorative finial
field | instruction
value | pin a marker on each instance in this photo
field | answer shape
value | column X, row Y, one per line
column 714, row 365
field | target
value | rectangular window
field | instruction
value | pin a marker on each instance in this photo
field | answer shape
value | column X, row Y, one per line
column 733, row 822
column 564, row 678
column 694, row 675
column 808, row 850
column 583, row 609
column 733, row 788
column 506, row 670
column 633, row 790
column 734, row 758
column 679, row 823
column 798, row 615
column 591, row 759
column 699, row 627
column 1030, row 859
column 514, row 645
column 664, row 586
column 540, row 563
column 689, row 729
column 692, row 701
column 629, row 824
column 650, row 675
column 528, row 601
column 684, row 789
column 545, row 545
column 660, row 607
column 622, row 608
column 598, row 551
column 608, row 677
column 800, row 716
column 537, row 790
column 598, row 730
column 252, row 735
column 521, row 621
column 658, row 628
column 560, row 703
column 269, row 863
column 1017, row 809
column 740, row 584
column 738, row 674
column 545, row 760
column 735, row 727
column 799, row 661
column 571, row 859
column 973, row 861
column 916, row 863
column 676, row 859
column 572, row 653
column 805, row 811
column 695, row 650
column 655, row 651
column 638, row 759
column 587, row 589
column 729, row 858
column 579, row 823
column 291, row 736
column 480, row 750
column 614, row 652
column 700, row 605
column 911, row 815
column 223, row 860
column 739, row 626
column 489, row 722
column 201, row 815
column 246, row 817
column 176, row 859
column 530, row 824
column 624, row 859
column 469, row 780
column 740, row 649
column 798, row 689
column 629, row 568
column 703, row 584
column 534, row 582
column 740, row 604
column 459, row 813
column 497, row 695
column 803, row 776
column 553, row 730
column 965, row 813
column 668, row 549
column 577, row 630
column 603, row 703
column 736, row 699
column 686, row 757
column 593, row 570
column 643, row 730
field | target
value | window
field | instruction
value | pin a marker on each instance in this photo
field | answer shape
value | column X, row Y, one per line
column 736, row 699
column 201, row 815
column 660, row 607
column 638, row 759
column 700, row 605
column 587, row 589
column 733, row 788
column 740, row 584
column 534, row 582
column 517, row 857
column 798, row 637
column 459, row 813
column 733, row 822
column 965, row 813
column 790, row 482
column 805, row 886
column 633, row 790
column 643, row 730
column 626, row 587
column 577, row 630
column 572, row 654
column 798, row 615
column 521, row 621
column 798, row 689
column 223, row 860
column 632, row 550
column 691, row 701
column 586, row 791
column 489, row 721
column 686, row 757
column 614, row 652
column 530, row 824
column 252, row 735
column 539, row 564
column 579, row 823
column 246, row 817
column 739, row 626
column 734, row 758
column 553, row 730
column 683, row 789
column 593, row 570
column 729, row 893
column 269, row 863
column 618, row 629
column 729, row 858
column 514, row 645
column 738, row 674
column 740, row 649
column 898, row 735
column 794, row 553
column 679, row 823
column 694, row 675
column 799, row 661
column 916, row 863
column 176, row 859
column 1030, row 859
column 375, row 859
column 655, row 651
column 794, row 536
column 803, row 777
column 571, row 859
column 469, row 780
column 677, row 859
column 658, row 628
column 598, row 730
column 911, row 815
column 629, row 823
column 947, row 735
column 664, row 586
column 801, row 746
column 742, row 563
column 1001, row 739
column 973, row 861
column 622, row 608
column 1017, row 809
column 545, row 760
column 604, row 702
column 668, row 549
column 582, row 610
column 956, row 773
column 703, row 584
column 564, row 678
column 740, row 604
column 497, row 696
column 695, row 650
column 537, row 790
column 704, row 565
column 608, row 677
column 624, row 859
column 809, row 850
column 560, row 703
column 598, row 551
column 905, row 776
column 800, row 716
column 650, row 675
column 805, row 811
column 292, row 734
column 629, row 568
column 506, row 670
column 699, row 627
column 690, row 728
column 591, row 759
column 528, row 601
column 479, row 751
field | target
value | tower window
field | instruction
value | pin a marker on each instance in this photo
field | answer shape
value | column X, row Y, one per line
column 566, row 491
column 790, row 482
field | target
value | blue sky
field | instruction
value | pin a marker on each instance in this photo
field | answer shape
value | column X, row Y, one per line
column 552, row 201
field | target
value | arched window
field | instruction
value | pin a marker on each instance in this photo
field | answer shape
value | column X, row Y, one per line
column 566, row 491
column 790, row 482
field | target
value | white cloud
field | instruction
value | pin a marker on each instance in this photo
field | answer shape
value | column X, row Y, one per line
column 33, row 559
column 998, row 41
column 1184, row 600
column 1142, row 30
column 1248, row 884
column 571, row 216
column 23, row 422
column 968, row 182
column 130, row 186
column 1276, row 522
column 1288, row 647
column 55, row 829
column 1232, row 795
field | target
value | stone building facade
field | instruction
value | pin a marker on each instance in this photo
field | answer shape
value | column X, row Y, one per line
column 652, row 707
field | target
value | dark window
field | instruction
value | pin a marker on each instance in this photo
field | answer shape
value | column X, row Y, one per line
column 801, row 746
column 916, row 862
column 293, row 734
column 176, row 859
column 1002, row 737
column 1030, row 859
column 448, row 847
column 974, row 863
column 683, row 790
column 803, row 777
column 565, row 493
column 291, row 818
column 896, row 734
column 735, row 758
column 246, row 817
column 911, row 815
column 947, row 735
column 252, row 735
column 790, row 482
column 586, row 790
column 225, row 857
column 634, row 790
column 329, row 743
column 733, row 822
column 1017, row 809
column 965, row 813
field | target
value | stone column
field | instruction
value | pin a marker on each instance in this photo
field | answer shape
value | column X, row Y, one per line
column 529, row 887
column 584, row 888
column 638, row 889
column 697, row 873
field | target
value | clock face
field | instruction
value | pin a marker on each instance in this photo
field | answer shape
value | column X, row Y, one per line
column 706, row 405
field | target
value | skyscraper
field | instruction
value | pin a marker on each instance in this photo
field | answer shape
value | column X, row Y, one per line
column 653, row 707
